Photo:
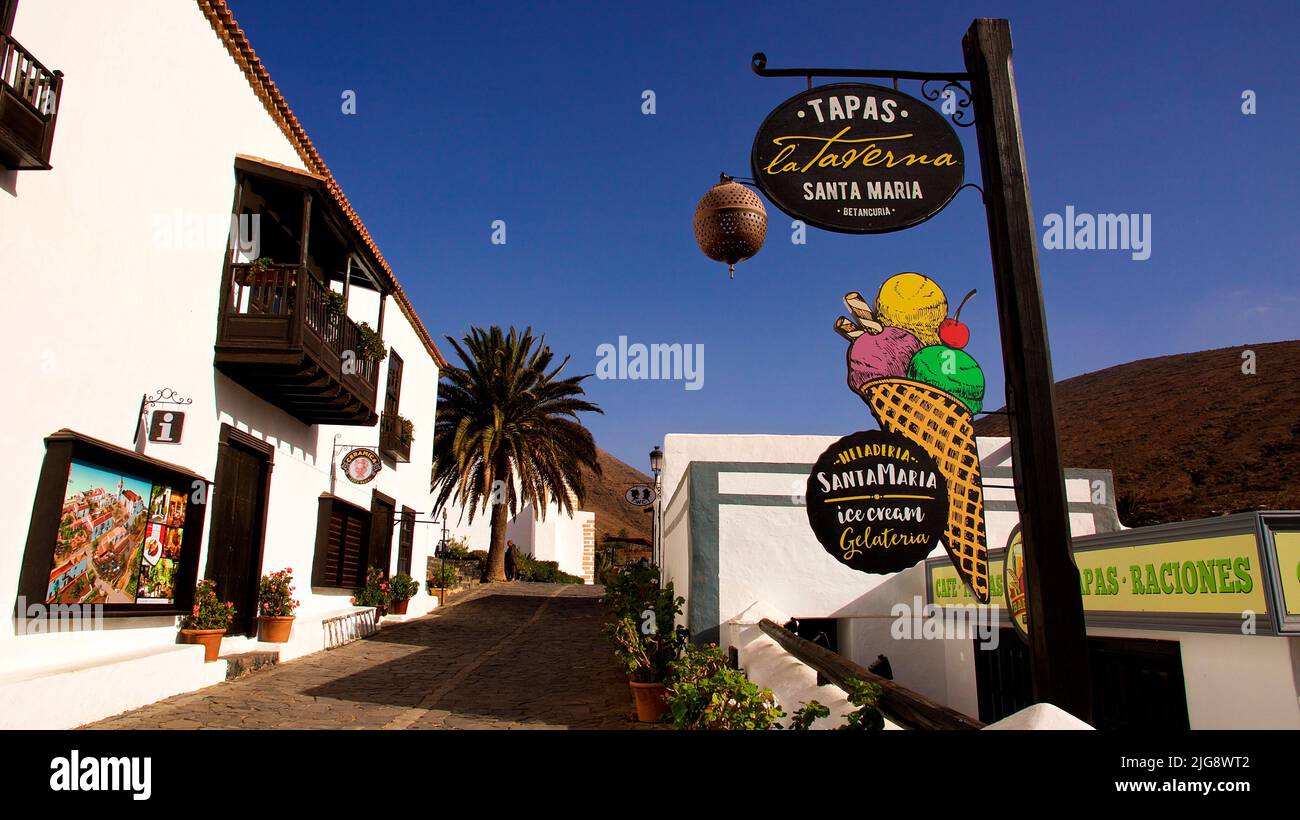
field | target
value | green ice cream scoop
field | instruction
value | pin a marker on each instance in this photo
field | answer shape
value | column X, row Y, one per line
column 950, row 370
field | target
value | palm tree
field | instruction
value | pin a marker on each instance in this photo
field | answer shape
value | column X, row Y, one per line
column 507, row 432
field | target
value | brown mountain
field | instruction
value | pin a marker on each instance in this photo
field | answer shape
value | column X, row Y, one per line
column 614, row 515
column 1187, row 436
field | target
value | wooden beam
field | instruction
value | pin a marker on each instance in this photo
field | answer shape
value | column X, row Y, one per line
column 901, row 705
column 1058, row 641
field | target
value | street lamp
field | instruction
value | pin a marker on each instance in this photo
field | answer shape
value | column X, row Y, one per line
column 656, row 467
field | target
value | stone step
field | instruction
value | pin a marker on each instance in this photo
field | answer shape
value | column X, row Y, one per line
column 246, row 663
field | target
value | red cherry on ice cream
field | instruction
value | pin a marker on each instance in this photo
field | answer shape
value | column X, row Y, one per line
column 952, row 332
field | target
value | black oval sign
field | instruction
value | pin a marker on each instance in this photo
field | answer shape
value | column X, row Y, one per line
column 857, row 158
column 877, row 502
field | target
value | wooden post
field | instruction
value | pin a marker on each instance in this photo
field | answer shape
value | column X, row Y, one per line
column 1058, row 640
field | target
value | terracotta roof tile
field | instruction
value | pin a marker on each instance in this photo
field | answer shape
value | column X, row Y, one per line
column 236, row 42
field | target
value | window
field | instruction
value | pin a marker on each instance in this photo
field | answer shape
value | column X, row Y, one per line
column 342, row 544
column 405, row 541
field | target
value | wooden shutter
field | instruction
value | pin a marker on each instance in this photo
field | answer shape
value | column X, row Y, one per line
column 382, row 509
column 405, row 541
column 393, row 389
column 346, row 539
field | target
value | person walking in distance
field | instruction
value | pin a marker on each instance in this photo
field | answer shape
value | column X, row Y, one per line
column 511, row 570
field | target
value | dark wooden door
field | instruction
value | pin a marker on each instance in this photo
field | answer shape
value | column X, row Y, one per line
column 238, row 525
column 382, row 512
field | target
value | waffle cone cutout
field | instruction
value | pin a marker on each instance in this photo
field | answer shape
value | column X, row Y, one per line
column 941, row 424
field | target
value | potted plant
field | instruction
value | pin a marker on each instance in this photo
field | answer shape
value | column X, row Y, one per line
column 402, row 588
column 407, row 430
column 208, row 620
column 646, row 644
column 704, row 692
column 446, row 576
column 275, row 607
column 334, row 304
column 370, row 344
column 375, row 593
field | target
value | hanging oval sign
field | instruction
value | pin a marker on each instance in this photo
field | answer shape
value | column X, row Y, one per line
column 1013, row 581
column 361, row 465
column 877, row 502
column 857, row 158
column 640, row 495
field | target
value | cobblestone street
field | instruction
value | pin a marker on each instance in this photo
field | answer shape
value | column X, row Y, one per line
column 502, row 656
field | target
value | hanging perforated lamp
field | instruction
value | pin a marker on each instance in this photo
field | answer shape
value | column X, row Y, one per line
column 730, row 223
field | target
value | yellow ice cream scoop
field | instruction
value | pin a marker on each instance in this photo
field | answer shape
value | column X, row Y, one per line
column 914, row 303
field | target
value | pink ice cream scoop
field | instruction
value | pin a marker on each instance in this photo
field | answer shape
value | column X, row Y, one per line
column 880, row 355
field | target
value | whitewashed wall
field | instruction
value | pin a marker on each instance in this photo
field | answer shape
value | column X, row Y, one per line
column 154, row 111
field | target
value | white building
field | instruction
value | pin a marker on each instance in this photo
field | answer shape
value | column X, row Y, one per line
column 553, row 535
column 1183, row 619
column 164, row 125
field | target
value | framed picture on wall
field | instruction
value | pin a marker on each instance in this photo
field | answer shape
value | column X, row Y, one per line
column 112, row 527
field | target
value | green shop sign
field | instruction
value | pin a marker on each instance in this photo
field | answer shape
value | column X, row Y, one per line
column 1230, row 574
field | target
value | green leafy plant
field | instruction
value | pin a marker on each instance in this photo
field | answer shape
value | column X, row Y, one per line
column 457, row 549
column 865, row 696
column 631, row 589
column 275, row 595
column 261, row 263
column 648, row 642
column 375, row 593
column 334, row 303
column 805, row 715
column 704, row 692
column 541, row 572
column 209, row 611
column 443, row 576
column 403, row 587
column 407, row 429
column 370, row 345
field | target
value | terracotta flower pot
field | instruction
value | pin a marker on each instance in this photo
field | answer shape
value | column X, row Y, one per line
column 399, row 607
column 274, row 628
column 209, row 638
column 650, row 703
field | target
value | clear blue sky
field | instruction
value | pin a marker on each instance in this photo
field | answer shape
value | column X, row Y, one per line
column 469, row 113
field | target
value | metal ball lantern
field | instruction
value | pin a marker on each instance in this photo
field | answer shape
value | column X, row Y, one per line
column 730, row 223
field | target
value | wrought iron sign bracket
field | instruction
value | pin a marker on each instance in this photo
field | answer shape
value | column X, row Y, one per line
column 165, row 395
column 956, row 81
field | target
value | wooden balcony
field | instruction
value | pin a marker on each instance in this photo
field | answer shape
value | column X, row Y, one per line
column 277, row 337
column 393, row 443
column 29, row 106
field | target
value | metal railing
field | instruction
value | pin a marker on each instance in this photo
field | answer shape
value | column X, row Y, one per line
column 35, row 84
column 288, row 291
column 352, row 626
column 908, row 709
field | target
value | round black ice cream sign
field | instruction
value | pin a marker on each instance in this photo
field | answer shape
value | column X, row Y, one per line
column 877, row 502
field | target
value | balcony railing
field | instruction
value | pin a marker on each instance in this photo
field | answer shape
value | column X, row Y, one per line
column 29, row 105
column 393, row 442
column 278, row 336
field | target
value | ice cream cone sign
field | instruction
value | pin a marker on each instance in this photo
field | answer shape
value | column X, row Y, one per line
column 906, row 360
